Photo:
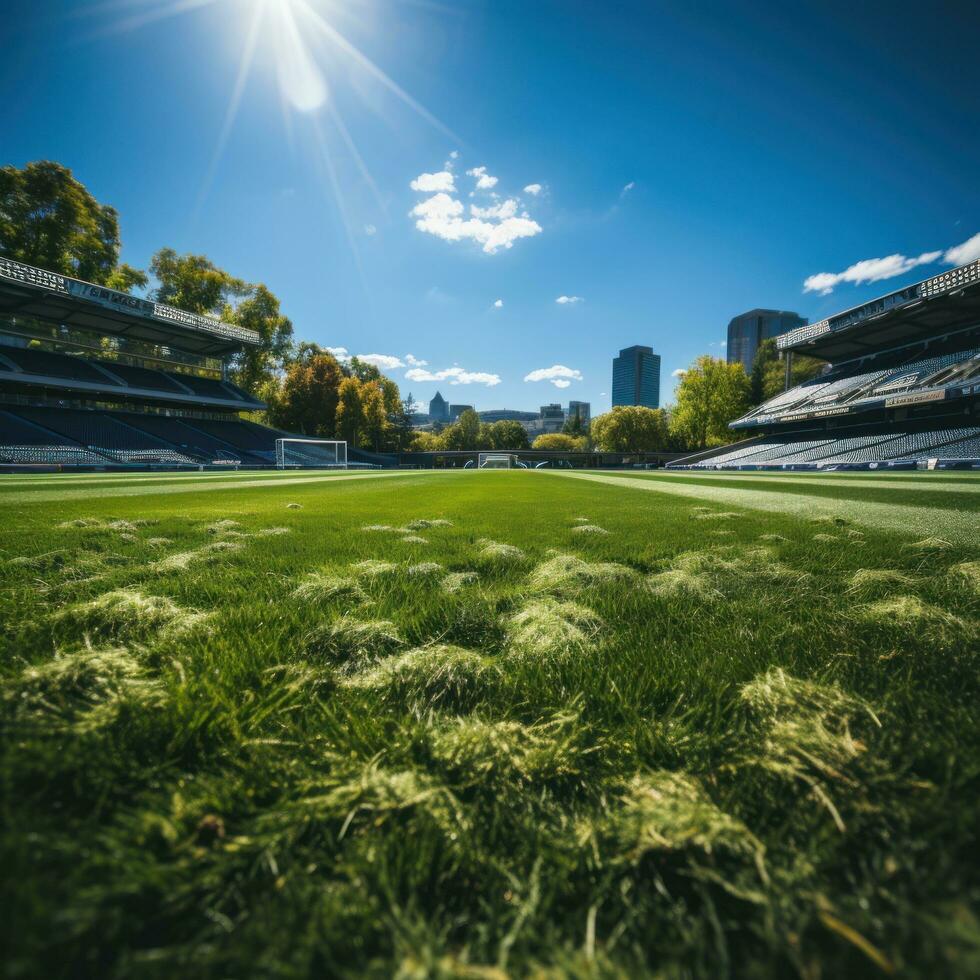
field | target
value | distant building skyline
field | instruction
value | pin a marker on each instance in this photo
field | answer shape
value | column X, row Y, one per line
column 747, row 331
column 636, row 377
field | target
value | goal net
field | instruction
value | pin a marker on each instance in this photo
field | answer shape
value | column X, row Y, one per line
column 495, row 461
column 321, row 454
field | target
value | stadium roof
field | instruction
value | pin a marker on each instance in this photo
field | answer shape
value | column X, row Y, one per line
column 926, row 309
column 28, row 291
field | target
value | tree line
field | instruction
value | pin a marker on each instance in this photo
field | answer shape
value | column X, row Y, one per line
column 49, row 219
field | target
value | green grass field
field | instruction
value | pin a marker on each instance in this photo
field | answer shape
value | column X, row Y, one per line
column 490, row 724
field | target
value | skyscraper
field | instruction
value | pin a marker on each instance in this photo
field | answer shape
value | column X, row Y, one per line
column 747, row 330
column 439, row 409
column 636, row 377
column 581, row 411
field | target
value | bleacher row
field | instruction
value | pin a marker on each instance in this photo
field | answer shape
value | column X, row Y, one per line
column 839, row 387
column 67, row 436
column 953, row 444
column 34, row 362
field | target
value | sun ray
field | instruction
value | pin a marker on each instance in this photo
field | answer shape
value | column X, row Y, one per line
column 338, row 39
column 244, row 67
column 355, row 153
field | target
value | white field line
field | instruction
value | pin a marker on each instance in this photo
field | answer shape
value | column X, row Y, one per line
column 163, row 476
column 892, row 484
column 145, row 488
column 956, row 526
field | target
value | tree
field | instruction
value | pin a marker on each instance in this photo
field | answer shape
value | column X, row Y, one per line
column 306, row 399
column 426, row 442
column 506, row 434
column 49, row 219
column 630, row 429
column 350, row 413
column 259, row 311
column 769, row 373
column 193, row 282
column 575, row 425
column 560, row 442
column 374, row 418
column 464, row 433
column 711, row 394
column 401, row 425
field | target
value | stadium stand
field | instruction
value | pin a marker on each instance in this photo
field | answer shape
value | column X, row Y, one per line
column 901, row 387
column 62, row 404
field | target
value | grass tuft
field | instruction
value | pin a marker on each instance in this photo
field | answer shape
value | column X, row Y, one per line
column 82, row 691
column 548, row 627
column 497, row 553
column 435, row 676
column 354, row 644
column 128, row 613
column 805, row 731
column 476, row 750
column 868, row 580
column 588, row 529
column 456, row 581
column 373, row 568
column 325, row 587
column 666, row 813
column 569, row 575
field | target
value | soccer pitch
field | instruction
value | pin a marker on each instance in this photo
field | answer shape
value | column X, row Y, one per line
column 488, row 724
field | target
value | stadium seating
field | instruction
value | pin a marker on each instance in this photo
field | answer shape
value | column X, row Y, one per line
column 140, row 377
column 960, row 443
column 841, row 387
column 32, row 361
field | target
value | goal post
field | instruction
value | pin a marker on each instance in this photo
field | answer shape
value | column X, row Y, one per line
column 495, row 461
column 293, row 454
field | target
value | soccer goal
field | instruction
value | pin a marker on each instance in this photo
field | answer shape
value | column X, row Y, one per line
column 495, row 461
column 294, row 454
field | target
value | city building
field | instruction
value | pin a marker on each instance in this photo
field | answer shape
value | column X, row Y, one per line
column 438, row 409
column 580, row 410
column 747, row 330
column 552, row 418
column 636, row 377
column 506, row 415
column 456, row 410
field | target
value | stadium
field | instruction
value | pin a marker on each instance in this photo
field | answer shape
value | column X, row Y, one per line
column 265, row 716
column 902, row 388
column 92, row 378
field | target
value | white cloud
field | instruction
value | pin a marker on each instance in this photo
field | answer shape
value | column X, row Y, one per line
column 429, row 183
column 440, row 216
column 627, row 188
column 455, row 376
column 503, row 210
column 370, row 230
column 559, row 375
column 412, row 361
column 867, row 270
column 678, row 372
column 454, row 155
column 386, row 362
column 967, row 251
column 498, row 225
column 874, row 270
column 533, row 189
column 565, row 300
column 484, row 181
column 341, row 353
column 498, row 303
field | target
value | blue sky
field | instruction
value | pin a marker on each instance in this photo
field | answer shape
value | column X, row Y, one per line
column 694, row 160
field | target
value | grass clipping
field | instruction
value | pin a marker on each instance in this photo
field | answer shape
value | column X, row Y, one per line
column 130, row 614
column 805, row 731
column 548, row 627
